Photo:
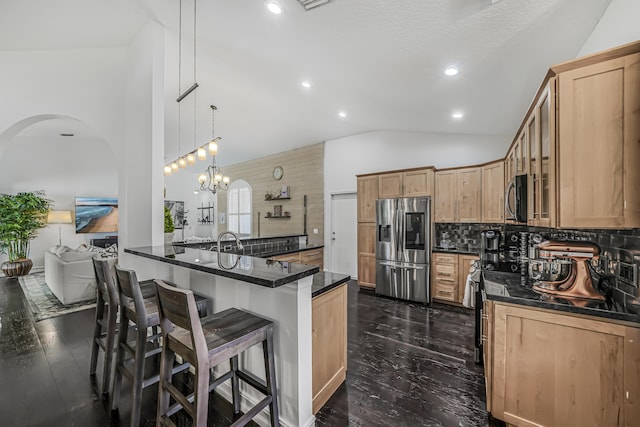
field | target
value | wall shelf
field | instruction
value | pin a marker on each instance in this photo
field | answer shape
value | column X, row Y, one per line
column 277, row 198
column 278, row 216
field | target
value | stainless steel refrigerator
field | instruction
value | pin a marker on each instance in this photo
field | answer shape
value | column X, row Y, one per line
column 403, row 242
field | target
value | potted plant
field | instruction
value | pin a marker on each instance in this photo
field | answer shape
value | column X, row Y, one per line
column 169, row 227
column 21, row 216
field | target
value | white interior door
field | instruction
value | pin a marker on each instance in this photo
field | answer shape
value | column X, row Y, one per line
column 344, row 234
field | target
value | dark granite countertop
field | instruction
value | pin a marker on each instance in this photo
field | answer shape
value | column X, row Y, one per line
column 251, row 269
column 325, row 281
column 267, row 254
column 455, row 251
column 511, row 288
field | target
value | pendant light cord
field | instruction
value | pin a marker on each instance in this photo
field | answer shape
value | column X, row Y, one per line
column 179, row 73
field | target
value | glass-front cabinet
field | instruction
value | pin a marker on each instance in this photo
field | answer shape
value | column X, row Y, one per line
column 541, row 140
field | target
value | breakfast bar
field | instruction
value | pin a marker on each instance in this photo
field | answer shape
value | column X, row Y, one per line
column 277, row 290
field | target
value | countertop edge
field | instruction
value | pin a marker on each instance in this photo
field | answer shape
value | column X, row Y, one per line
column 227, row 273
column 327, row 288
column 591, row 312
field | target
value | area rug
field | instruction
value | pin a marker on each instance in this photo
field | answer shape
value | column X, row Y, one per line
column 43, row 303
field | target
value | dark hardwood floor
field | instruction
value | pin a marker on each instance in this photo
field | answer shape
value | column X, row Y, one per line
column 409, row 365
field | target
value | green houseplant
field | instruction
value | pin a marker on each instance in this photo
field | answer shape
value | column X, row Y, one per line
column 21, row 216
column 169, row 227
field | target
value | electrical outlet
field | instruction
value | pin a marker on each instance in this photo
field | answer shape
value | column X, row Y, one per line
column 315, row 231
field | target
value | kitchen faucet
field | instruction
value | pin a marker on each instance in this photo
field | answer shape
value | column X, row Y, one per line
column 239, row 244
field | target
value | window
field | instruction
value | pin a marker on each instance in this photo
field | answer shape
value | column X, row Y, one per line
column 239, row 207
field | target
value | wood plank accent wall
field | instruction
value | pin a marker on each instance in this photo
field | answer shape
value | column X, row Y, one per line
column 303, row 173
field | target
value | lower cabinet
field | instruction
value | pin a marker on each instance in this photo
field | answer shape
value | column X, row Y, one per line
column 329, row 344
column 449, row 276
column 549, row 369
column 310, row 257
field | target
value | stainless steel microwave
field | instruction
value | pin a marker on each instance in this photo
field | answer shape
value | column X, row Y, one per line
column 515, row 199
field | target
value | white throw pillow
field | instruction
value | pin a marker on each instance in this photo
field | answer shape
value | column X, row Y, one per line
column 61, row 250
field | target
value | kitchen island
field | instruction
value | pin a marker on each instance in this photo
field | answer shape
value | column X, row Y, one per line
column 279, row 291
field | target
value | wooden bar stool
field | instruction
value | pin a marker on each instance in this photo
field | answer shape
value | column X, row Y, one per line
column 106, row 324
column 142, row 314
column 105, row 330
column 205, row 343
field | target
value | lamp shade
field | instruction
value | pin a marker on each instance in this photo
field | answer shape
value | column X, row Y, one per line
column 59, row 217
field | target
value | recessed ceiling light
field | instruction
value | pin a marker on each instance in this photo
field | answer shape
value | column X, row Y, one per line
column 457, row 114
column 451, row 71
column 342, row 114
column 306, row 84
column 274, row 7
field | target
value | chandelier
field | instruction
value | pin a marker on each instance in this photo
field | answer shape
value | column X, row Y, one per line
column 212, row 178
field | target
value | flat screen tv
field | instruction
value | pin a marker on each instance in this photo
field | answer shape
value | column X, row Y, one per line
column 96, row 215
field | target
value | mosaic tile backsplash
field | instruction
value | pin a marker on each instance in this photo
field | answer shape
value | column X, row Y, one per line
column 619, row 249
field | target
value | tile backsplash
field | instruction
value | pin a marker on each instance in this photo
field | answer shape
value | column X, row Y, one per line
column 619, row 249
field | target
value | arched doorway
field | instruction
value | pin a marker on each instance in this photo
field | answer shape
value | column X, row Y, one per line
column 62, row 156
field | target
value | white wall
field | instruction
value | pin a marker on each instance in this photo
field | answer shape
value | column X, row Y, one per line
column 347, row 157
column 619, row 25
column 141, row 183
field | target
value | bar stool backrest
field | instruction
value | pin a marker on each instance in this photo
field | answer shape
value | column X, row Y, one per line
column 105, row 281
column 178, row 307
column 130, row 291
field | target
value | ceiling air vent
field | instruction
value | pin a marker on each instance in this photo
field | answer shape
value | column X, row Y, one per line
column 312, row 4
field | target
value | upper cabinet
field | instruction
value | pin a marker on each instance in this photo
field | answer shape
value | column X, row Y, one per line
column 493, row 192
column 367, row 196
column 540, row 132
column 599, row 144
column 412, row 183
column 390, row 185
column 458, row 195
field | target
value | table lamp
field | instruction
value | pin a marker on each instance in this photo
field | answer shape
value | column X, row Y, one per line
column 59, row 217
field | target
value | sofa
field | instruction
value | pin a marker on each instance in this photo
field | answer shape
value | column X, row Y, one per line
column 69, row 272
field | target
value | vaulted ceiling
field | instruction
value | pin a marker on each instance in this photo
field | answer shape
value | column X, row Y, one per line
column 380, row 61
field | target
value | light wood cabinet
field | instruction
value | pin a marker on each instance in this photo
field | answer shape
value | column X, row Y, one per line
column 552, row 369
column 446, row 196
column 493, row 192
column 367, row 196
column 458, row 195
column 418, row 183
column 599, row 153
column 294, row 257
column 390, row 185
column 313, row 257
column 367, row 254
column 329, row 344
column 449, row 276
column 540, row 139
column 310, row 257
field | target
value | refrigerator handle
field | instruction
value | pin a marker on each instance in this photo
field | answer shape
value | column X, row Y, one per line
column 400, row 229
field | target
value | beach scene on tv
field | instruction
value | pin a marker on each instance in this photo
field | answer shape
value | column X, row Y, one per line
column 96, row 215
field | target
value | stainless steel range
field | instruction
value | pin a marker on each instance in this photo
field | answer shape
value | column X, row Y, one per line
column 403, row 242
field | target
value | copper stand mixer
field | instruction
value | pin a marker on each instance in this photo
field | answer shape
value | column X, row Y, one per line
column 570, row 263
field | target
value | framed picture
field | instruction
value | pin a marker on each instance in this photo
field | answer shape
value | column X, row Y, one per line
column 177, row 212
column 277, row 210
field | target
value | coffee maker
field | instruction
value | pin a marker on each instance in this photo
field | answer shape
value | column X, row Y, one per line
column 490, row 253
column 561, row 268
